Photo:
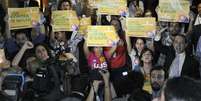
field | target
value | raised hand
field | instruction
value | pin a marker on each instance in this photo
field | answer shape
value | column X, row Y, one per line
column 70, row 56
column 28, row 45
column 96, row 85
column 105, row 74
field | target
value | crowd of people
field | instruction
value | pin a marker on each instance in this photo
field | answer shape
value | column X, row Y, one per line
column 59, row 66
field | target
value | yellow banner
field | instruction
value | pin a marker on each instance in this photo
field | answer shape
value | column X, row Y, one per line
column 84, row 23
column 102, row 36
column 141, row 27
column 174, row 11
column 112, row 7
column 20, row 18
column 64, row 20
column 94, row 3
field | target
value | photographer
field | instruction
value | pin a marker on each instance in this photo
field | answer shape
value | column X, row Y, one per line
column 95, row 87
column 44, row 72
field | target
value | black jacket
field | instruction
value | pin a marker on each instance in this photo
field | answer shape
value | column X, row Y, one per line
column 190, row 67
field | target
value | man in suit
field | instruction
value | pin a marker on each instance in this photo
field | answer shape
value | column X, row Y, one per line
column 181, row 63
column 28, row 3
column 176, row 58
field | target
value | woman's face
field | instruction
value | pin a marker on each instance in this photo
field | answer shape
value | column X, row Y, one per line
column 147, row 57
column 60, row 35
column 139, row 45
column 41, row 53
column 65, row 6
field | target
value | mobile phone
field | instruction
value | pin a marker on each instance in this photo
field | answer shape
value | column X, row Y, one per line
column 124, row 73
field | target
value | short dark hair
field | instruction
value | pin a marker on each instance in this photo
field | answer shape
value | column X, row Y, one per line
column 140, row 95
column 159, row 68
column 183, row 36
column 182, row 89
column 60, row 3
column 198, row 3
column 20, row 31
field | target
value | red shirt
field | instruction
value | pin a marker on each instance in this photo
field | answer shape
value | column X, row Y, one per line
column 118, row 59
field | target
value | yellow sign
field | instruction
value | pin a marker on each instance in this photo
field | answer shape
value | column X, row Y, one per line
column 64, row 20
column 94, row 3
column 174, row 10
column 141, row 27
column 84, row 23
column 112, row 7
column 20, row 18
column 102, row 36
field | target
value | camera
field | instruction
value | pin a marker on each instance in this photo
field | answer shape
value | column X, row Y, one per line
column 12, row 85
column 95, row 74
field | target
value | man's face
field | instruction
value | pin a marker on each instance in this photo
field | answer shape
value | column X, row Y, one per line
column 21, row 38
column 174, row 28
column 179, row 44
column 157, row 79
column 199, row 9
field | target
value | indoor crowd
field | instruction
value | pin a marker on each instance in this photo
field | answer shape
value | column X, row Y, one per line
column 42, row 65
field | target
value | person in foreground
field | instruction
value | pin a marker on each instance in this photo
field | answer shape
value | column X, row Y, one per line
column 181, row 89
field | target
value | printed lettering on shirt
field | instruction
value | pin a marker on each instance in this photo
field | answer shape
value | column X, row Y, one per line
column 99, row 66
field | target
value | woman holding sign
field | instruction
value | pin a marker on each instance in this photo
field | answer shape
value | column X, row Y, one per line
column 135, row 51
column 97, row 60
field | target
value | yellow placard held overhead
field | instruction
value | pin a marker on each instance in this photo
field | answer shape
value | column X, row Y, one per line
column 103, row 36
column 94, row 3
column 141, row 27
column 20, row 18
column 174, row 10
column 112, row 7
column 64, row 20
column 84, row 23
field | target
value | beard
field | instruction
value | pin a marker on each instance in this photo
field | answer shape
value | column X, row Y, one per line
column 155, row 86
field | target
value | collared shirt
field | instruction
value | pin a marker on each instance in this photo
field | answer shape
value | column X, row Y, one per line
column 198, row 20
column 177, row 64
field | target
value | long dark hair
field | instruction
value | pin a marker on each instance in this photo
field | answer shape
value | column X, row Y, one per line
column 120, row 31
column 45, row 46
column 134, row 40
column 144, row 51
column 62, row 1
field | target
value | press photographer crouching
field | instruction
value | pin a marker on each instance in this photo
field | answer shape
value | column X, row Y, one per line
column 45, row 73
column 53, row 78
